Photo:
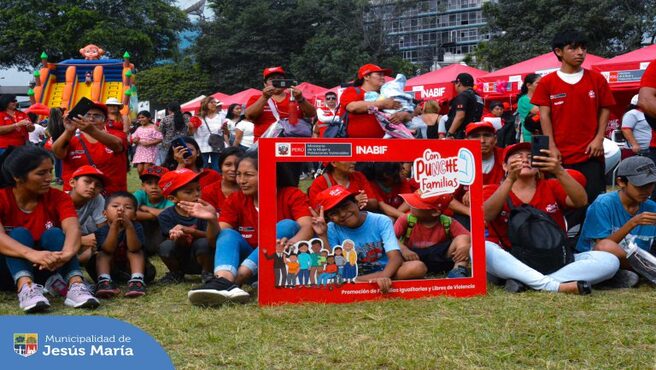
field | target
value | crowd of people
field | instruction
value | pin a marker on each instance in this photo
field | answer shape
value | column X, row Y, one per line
column 337, row 222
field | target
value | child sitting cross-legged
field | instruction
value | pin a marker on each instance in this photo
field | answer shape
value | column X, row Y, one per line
column 120, row 245
column 150, row 203
column 437, row 240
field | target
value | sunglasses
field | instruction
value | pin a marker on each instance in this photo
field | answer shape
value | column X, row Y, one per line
column 331, row 98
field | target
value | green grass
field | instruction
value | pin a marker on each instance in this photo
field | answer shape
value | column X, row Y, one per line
column 609, row 329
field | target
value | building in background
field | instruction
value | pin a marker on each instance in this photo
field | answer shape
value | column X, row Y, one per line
column 431, row 33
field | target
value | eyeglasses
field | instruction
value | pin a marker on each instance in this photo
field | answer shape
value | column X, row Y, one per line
column 331, row 98
column 95, row 117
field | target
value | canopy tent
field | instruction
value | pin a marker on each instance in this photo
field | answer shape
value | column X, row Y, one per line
column 436, row 85
column 625, row 71
column 507, row 82
column 311, row 91
column 240, row 97
column 194, row 105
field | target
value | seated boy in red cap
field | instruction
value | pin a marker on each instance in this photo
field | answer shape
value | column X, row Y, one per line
column 439, row 241
column 150, row 203
column 190, row 228
column 379, row 254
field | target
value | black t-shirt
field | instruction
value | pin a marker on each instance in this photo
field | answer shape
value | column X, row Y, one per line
column 168, row 218
column 469, row 102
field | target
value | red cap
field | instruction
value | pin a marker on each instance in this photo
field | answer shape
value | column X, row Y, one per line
column 509, row 150
column 578, row 176
column 332, row 196
column 174, row 180
column 100, row 106
column 436, row 202
column 155, row 171
column 87, row 170
column 479, row 125
column 272, row 70
column 371, row 68
column 38, row 108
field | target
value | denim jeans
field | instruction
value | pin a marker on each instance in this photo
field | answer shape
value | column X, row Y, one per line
column 593, row 266
column 51, row 240
column 214, row 157
column 232, row 248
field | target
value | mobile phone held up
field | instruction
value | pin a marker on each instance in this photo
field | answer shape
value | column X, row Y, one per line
column 178, row 141
column 539, row 142
column 81, row 108
column 283, row 83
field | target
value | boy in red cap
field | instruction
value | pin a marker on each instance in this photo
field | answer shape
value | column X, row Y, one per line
column 190, row 228
column 274, row 103
column 150, row 203
column 379, row 255
column 426, row 234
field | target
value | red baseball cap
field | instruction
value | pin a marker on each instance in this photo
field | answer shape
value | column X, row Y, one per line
column 478, row 126
column 436, row 202
column 331, row 197
column 173, row 180
column 155, row 171
column 100, row 106
column 38, row 108
column 371, row 68
column 272, row 70
column 511, row 149
column 87, row 170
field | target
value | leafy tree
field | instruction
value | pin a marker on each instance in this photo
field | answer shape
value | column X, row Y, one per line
column 147, row 29
column 323, row 42
column 524, row 28
column 178, row 82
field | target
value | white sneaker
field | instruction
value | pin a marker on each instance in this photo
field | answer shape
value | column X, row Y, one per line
column 31, row 299
column 216, row 292
column 79, row 296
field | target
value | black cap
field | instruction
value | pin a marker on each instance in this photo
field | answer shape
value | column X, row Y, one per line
column 465, row 79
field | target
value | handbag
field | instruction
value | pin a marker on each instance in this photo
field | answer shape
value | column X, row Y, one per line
column 215, row 141
column 283, row 128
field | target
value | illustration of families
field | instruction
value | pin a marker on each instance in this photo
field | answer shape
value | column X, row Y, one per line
column 309, row 264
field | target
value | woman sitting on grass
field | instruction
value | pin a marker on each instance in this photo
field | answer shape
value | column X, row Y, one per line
column 217, row 193
column 178, row 158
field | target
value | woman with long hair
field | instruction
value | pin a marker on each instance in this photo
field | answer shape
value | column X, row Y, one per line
column 14, row 124
column 189, row 157
column 216, row 193
column 524, row 106
column 172, row 126
column 233, row 116
column 211, row 123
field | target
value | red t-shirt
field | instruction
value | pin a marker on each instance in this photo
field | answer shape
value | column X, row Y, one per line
column 209, row 178
column 213, row 195
column 359, row 125
column 391, row 196
column 239, row 211
column 53, row 207
column 292, row 204
column 17, row 137
column 114, row 165
column 549, row 197
column 357, row 182
column 574, row 111
column 265, row 119
column 649, row 77
column 424, row 237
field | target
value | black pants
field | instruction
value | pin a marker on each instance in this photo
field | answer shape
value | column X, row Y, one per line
column 593, row 170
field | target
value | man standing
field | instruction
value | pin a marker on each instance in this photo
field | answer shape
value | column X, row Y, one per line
column 326, row 115
column 465, row 108
column 574, row 108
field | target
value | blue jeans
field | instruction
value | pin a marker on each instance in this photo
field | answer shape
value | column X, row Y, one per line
column 214, row 157
column 51, row 240
column 58, row 168
column 593, row 266
column 232, row 248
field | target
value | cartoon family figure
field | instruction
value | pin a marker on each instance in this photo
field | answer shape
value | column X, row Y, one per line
column 309, row 264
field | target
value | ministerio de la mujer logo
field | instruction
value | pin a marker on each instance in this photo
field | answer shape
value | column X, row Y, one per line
column 26, row 344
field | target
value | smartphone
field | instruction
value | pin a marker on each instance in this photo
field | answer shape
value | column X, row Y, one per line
column 81, row 108
column 538, row 143
column 179, row 142
column 283, row 83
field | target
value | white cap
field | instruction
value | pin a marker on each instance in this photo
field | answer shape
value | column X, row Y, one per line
column 113, row 101
column 634, row 99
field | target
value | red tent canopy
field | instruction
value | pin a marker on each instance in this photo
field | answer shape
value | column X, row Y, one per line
column 310, row 91
column 625, row 71
column 436, row 85
column 240, row 97
column 506, row 82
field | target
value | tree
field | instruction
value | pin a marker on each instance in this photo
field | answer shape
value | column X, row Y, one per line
column 323, row 42
column 178, row 82
column 612, row 27
column 147, row 29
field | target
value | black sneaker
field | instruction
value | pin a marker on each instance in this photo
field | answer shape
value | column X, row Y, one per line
column 216, row 292
column 171, row 278
column 106, row 289
column 622, row 279
column 205, row 277
column 514, row 286
column 136, row 288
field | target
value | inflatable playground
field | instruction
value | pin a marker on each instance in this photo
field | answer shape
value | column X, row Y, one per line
column 63, row 84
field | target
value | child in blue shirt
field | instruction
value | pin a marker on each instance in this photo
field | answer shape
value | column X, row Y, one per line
column 379, row 254
column 150, row 203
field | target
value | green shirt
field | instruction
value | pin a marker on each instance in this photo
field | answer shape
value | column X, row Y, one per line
column 524, row 107
column 142, row 200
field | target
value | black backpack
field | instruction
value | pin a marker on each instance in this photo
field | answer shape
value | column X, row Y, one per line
column 537, row 240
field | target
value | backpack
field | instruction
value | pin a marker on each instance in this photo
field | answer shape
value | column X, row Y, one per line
column 507, row 135
column 532, row 124
column 337, row 126
column 473, row 112
column 412, row 221
column 537, row 240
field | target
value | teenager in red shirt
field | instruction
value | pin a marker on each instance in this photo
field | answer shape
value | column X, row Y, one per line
column 647, row 103
column 525, row 185
column 344, row 173
column 216, row 193
column 14, row 124
column 177, row 158
column 236, row 255
column 258, row 108
column 92, row 145
column 39, row 230
column 360, row 123
column 574, row 108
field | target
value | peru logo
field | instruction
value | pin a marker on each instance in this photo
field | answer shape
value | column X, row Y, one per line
column 26, row 344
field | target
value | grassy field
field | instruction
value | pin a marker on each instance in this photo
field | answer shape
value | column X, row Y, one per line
column 609, row 329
